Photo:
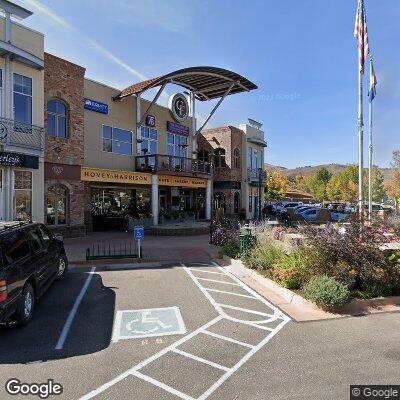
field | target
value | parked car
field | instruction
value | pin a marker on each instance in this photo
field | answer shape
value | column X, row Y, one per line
column 31, row 258
column 310, row 214
column 282, row 207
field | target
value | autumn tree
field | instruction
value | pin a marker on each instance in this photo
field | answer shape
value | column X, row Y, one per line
column 277, row 184
column 393, row 187
column 316, row 183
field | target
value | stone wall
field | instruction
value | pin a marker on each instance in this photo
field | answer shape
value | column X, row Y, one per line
column 64, row 80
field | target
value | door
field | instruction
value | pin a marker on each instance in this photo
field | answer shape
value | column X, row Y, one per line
column 18, row 261
column 49, row 253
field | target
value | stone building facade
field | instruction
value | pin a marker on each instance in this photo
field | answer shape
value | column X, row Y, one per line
column 226, row 144
column 64, row 146
column 238, row 159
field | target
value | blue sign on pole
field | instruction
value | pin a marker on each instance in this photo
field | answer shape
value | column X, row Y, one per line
column 138, row 232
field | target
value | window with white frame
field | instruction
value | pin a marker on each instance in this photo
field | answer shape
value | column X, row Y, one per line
column 177, row 145
column 22, row 196
column 57, row 118
column 149, row 137
column 116, row 140
column 22, row 95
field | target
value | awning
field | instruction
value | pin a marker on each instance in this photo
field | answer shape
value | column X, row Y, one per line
column 206, row 82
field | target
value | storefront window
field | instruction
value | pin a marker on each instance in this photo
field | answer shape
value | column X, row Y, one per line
column 121, row 202
column 116, row 140
column 57, row 205
column 56, row 119
column 22, row 195
column 22, row 98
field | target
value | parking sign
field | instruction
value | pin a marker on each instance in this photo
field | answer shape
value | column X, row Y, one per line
column 138, row 232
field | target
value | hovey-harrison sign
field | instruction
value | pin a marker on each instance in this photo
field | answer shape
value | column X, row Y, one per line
column 19, row 160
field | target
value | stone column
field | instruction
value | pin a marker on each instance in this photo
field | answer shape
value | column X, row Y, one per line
column 208, row 199
column 154, row 198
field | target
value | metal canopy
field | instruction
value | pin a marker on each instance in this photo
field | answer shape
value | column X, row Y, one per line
column 205, row 82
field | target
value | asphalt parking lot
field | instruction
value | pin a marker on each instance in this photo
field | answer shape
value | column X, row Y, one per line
column 189, row 331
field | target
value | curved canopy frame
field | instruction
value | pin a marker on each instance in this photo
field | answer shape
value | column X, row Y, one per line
column 205, row 82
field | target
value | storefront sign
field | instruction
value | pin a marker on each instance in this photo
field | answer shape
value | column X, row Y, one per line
column 173, row 127
column 113, row 176
column 19, row 160
column 179, row 107
column 150, row 120
column 164, row 180
column 96, row 106
column 62, row 171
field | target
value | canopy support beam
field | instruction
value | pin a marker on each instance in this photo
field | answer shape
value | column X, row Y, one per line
column 215, row 108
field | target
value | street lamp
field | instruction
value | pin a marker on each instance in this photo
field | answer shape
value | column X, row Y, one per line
column 211, row 155
column 260, row 181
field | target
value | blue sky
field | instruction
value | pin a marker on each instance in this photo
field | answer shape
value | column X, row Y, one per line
column 301, row 54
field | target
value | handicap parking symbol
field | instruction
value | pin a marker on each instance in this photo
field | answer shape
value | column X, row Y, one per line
column 131, row 324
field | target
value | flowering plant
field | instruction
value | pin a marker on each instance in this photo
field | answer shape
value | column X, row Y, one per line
column 219, row 237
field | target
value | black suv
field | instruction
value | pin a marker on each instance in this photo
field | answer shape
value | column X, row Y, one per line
column 31, row 258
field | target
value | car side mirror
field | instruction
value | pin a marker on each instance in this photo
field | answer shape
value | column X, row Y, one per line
column 59, row 238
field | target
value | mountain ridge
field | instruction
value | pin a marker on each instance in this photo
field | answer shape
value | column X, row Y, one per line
column 312, row 169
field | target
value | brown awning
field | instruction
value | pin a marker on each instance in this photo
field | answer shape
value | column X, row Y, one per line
column 206, row 82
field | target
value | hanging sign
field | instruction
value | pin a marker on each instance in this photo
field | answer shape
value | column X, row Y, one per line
column 173, row 127
column 179, row 107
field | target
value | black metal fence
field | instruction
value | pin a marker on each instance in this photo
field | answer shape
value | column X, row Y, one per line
column 103, row 251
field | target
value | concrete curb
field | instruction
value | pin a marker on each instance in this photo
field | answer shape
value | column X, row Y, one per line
column 301, row 309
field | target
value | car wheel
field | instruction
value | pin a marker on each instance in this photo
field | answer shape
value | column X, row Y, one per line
column 62, row 266
column 26, row 305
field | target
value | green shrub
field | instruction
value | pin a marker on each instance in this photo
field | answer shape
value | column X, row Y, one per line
column 326, row 292
column 294, row 269
column 263, row 257
column 231, row 249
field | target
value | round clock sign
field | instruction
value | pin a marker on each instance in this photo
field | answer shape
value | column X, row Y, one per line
column 179, row 107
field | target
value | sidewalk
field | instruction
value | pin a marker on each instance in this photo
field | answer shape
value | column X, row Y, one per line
column 155, row 248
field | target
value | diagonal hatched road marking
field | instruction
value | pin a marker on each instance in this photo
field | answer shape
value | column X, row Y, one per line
column 271, row 315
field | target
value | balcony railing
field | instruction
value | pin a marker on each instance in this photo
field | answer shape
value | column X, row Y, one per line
column 172, row 164
column 253, row 176
column 21, row 134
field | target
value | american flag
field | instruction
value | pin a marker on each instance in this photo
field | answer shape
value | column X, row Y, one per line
column 361, row 33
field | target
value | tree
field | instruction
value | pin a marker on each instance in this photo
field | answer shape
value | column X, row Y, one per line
column 343, row 185
column 316, row 184
column 277, row 184
column 393, row 188
column 378, row 189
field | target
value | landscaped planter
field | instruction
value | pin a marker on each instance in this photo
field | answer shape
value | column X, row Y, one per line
column 164, row 221
column 293, row 302
column 145, row 222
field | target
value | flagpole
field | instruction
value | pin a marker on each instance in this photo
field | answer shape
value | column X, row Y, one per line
column 360, row 148
column 370, row 151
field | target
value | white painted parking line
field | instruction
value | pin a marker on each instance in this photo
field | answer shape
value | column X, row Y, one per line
column 149, row 360
column 200, row 359
column 245, row 310
column 232, row 293
column 72, row 314
column 208, row 272
column 228, row 339
column 213, row 280
column 162, row 385
column 277, row 316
